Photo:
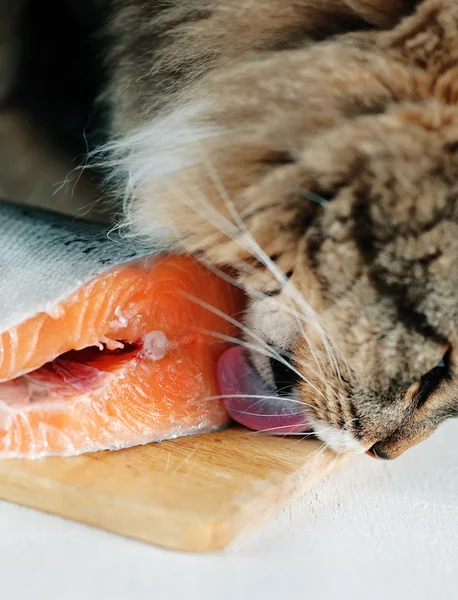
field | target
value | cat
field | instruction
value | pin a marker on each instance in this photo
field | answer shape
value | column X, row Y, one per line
column 312, row 148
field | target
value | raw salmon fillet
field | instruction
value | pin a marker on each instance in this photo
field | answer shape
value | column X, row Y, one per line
column 128, row 358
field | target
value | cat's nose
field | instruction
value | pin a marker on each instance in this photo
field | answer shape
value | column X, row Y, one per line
column 377, row 453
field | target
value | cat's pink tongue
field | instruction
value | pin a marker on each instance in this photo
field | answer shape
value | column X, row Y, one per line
column 249, row 400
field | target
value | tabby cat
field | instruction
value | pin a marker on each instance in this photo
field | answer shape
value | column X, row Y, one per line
column 311, row 147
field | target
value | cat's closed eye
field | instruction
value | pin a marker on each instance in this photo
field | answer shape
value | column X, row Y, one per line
column 441, row 369
column 431, row 380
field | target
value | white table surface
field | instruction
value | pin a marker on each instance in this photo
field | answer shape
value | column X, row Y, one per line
column 373, row 530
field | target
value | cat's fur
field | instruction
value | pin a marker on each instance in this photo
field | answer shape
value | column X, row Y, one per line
column 313, row 147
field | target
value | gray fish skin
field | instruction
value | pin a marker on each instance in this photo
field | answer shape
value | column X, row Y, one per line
column 45, row 257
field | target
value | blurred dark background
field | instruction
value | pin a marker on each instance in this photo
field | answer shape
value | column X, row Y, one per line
column 52, row 70
column 61, row 69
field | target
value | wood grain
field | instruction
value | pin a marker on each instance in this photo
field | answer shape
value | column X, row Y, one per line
column 193, row 493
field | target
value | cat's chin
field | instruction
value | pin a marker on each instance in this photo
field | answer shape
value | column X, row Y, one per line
column 251, row 402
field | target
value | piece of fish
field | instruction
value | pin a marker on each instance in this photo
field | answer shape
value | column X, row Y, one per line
column 104, row 344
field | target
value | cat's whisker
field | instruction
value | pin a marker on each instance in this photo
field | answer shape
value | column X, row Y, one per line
column 328, row 443
column 263, row 349
column 232, row 231
column 262, row 256
column 222, row 228
column 272, row 431
column 248, row 332
column 258, row 294
column 258, row 396
column 312, row 196
column 243, row 343
column 265, row 352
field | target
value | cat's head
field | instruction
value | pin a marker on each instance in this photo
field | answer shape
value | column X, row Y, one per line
column 376, row 262
column 328, row 178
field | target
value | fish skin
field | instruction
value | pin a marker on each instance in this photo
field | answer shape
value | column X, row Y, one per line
column 45, row 257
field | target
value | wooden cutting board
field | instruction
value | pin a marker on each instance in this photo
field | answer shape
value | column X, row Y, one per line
column 193, row 493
